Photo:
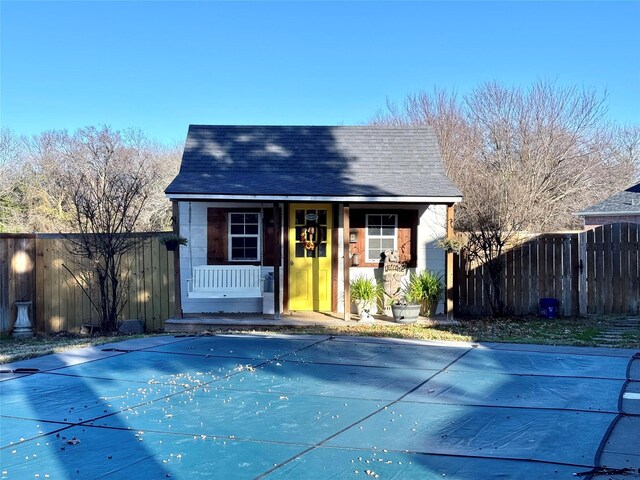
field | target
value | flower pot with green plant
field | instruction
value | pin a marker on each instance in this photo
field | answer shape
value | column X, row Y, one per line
column 404, row 308
column 172, row 241
column 426, row 288
column 365, row 293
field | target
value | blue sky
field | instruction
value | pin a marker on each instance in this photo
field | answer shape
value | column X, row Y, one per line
column 160, row 65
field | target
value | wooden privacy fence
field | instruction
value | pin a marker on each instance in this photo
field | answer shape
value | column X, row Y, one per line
column 32, row 268
column 591, row 272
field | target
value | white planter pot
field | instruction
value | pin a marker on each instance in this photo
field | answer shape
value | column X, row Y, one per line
column 364, row 310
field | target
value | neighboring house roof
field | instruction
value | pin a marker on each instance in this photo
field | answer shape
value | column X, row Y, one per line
column 312, row 163
column 621, row 203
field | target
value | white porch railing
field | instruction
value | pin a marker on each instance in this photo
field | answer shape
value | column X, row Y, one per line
column 225, row 281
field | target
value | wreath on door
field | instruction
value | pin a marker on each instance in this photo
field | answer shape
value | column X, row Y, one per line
column 308, row 237
column 311, row 236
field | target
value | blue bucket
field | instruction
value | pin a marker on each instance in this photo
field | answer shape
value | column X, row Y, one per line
column 549, row 307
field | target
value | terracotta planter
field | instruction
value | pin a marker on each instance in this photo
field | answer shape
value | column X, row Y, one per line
column 405, row 313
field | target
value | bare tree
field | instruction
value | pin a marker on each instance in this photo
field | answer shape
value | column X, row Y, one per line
column 34, row 192
column 46, row 193
column 109, row 188
column 624, row 150
column 11, row 160
column 11, row 153
column 165, row 162
column 525, row 159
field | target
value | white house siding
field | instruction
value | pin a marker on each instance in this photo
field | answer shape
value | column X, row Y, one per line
column 432, row 228
column 193, row 226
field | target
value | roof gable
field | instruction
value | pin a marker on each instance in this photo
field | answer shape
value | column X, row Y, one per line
column 298, row 161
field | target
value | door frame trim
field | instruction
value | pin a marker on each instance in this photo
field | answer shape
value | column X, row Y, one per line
column 285, row 257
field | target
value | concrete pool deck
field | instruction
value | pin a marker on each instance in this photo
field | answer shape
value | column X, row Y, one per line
column 303, row 406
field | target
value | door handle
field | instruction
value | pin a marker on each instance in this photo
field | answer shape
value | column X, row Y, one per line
column 291, row 262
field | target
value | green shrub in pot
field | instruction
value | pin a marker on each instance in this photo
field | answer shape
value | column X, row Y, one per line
column 426, row 288
column 365, row 293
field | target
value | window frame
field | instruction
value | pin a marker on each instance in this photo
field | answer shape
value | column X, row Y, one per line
column 369, row 259
column 231, row 236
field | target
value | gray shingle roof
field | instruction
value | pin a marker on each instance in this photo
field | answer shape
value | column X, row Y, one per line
column 312, row 161
column 627, row 201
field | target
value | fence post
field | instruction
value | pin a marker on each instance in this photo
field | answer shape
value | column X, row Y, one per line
column 449, row 285
column 582, row 273
column 566, row 275
column 5, row 308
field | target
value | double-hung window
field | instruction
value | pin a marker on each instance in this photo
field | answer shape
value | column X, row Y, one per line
column 382, row 234
column 244, row 236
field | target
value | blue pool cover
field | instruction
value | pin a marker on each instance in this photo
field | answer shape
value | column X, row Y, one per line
column 319, row 407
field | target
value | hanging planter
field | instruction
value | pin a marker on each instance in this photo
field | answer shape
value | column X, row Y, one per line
column 172, row 241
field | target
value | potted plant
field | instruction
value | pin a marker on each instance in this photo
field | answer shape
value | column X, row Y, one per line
column 172, row 241
column 404, row 307
column 427, row 289
column 365, row 293
column 453, row 244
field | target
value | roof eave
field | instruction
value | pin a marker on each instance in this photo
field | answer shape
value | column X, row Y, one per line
column 610, row 214
column 316, row 198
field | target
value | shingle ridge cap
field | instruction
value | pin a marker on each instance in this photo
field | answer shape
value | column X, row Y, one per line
column 363, row 127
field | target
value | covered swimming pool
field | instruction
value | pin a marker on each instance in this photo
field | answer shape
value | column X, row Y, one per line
column 318, row 407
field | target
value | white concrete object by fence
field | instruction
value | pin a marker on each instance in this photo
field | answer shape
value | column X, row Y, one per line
column 22, row 327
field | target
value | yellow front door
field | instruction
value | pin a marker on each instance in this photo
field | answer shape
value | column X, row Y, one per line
column 310, row 257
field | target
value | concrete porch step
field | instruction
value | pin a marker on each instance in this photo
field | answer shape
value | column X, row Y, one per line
column 194, row 324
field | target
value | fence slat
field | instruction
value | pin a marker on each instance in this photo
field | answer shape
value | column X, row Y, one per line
column 534, row 269
column 5, row 307
column 567, row 274
column 574, row 274
column 607, row 273
column 558, row 250
column 156, row 282
column 582, row 272
column 459, row 280
column 634, row 270
column 623, row 246
column 520, row 268
column 542, row 267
